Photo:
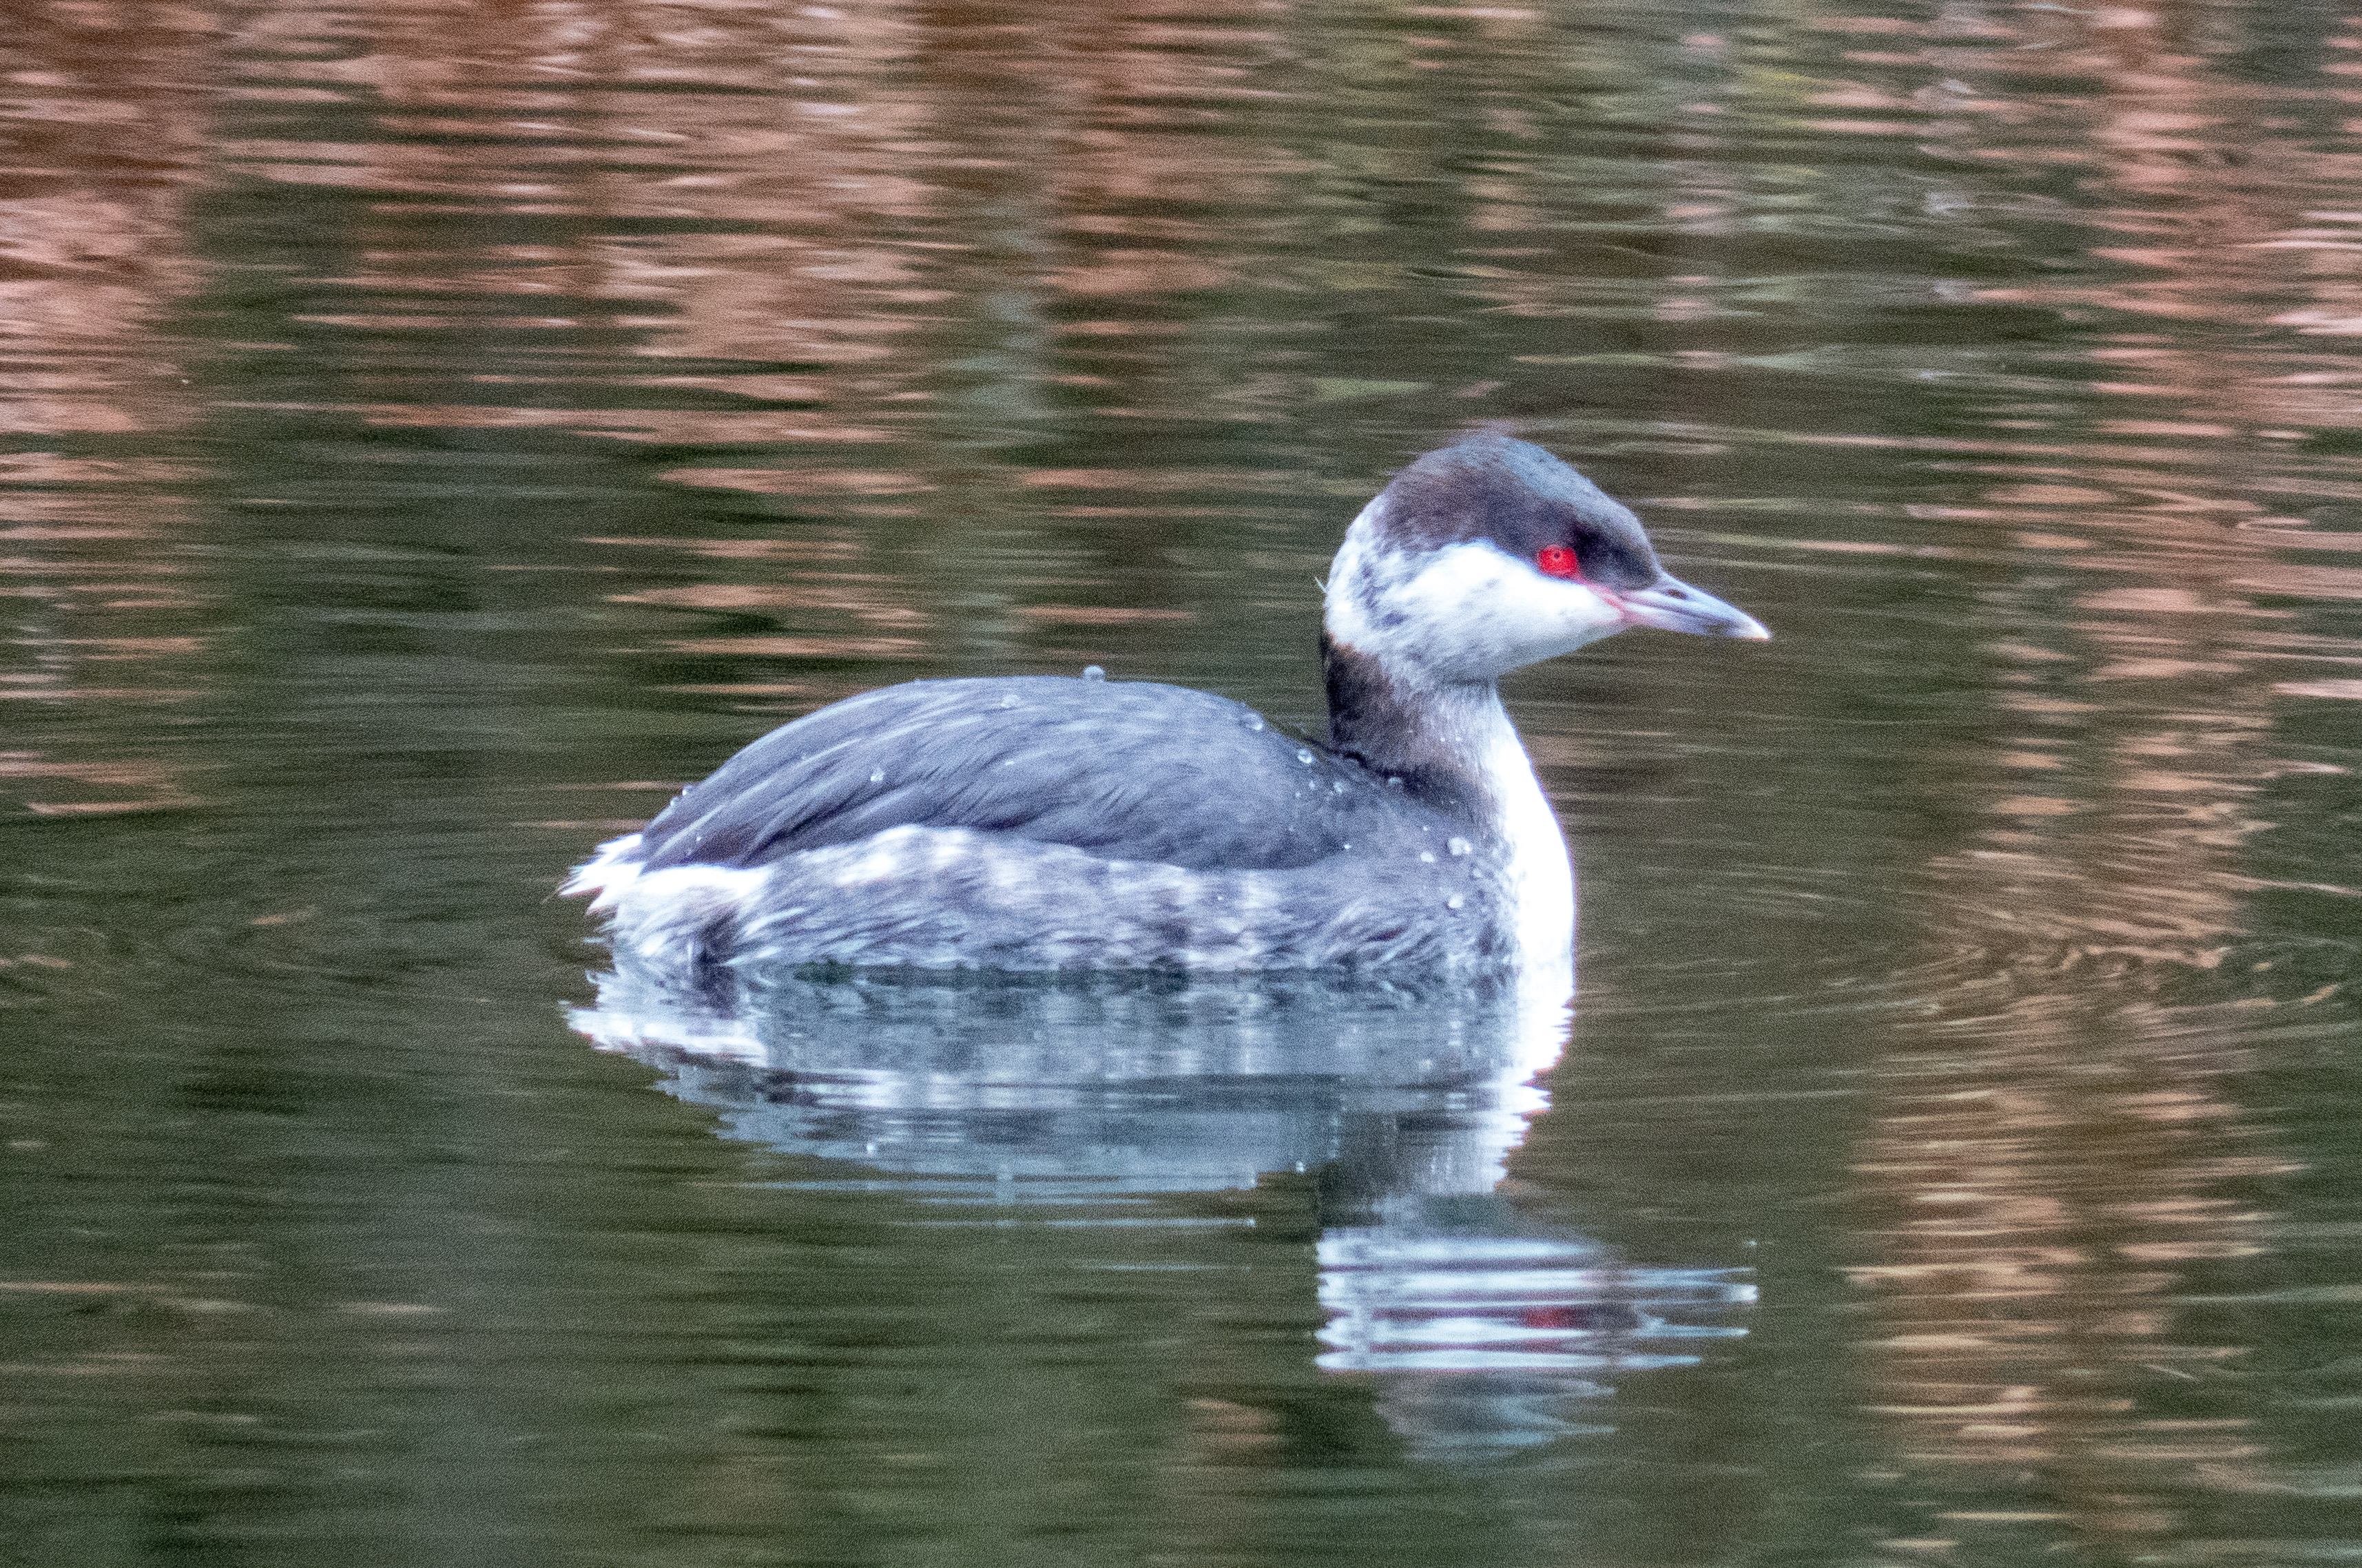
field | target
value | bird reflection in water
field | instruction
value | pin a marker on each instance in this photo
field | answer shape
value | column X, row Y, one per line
column 1483, row 1330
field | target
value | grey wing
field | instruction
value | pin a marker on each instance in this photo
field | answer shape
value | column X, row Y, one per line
column 1127, row 769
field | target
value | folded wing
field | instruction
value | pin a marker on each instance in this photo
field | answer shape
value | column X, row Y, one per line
column 1128, row 770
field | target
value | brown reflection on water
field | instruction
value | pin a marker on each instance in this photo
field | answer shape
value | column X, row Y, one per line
column 808, row 235
column 2050, row 1159
column 849, row 192
column 105, row 131
column 2057, row 1159
column 742, row 170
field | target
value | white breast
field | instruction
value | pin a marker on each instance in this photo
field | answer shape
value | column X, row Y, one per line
column 1541, row 881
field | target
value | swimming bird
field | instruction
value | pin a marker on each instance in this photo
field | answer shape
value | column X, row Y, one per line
column 1037, row 822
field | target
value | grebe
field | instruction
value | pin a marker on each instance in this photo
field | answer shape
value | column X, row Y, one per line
column 1041, row 822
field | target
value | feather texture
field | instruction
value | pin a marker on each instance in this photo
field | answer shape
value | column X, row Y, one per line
column 1026, row 757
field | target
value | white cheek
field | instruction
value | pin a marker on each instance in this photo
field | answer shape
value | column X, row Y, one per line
column 1480, row 613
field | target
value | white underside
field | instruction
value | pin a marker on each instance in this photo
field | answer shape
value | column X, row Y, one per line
column 916, row 891
column 657, row 915
column 953, row 897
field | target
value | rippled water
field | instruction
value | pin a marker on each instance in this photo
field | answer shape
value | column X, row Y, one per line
column 429, row 435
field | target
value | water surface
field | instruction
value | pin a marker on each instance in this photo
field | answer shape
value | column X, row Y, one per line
column 432, row 436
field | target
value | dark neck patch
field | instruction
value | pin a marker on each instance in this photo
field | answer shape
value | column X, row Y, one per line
column 1373, row 720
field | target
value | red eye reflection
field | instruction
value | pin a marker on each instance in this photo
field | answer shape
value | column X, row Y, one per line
column 1556, row 561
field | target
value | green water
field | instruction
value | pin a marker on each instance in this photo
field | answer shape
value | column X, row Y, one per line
column 433, row 436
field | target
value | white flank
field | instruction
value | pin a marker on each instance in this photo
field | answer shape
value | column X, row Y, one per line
column 606, row 874
column 659, row 914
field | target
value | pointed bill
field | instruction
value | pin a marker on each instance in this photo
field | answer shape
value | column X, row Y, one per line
column 1675, row 606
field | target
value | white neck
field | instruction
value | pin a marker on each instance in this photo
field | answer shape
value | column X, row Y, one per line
column 1455, row 749
column 1416, row 639
column 1533, row 847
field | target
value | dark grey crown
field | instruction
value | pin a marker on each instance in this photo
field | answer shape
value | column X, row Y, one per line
column 1490, row 486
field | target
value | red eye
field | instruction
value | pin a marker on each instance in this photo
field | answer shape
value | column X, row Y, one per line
column 1556, row 561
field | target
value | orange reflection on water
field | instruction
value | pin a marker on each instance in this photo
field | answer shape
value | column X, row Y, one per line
column 104, row 789
column 2043, row 1177
column 91, row 237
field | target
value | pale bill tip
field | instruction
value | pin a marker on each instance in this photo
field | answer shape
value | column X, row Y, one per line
column 1675, row 606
